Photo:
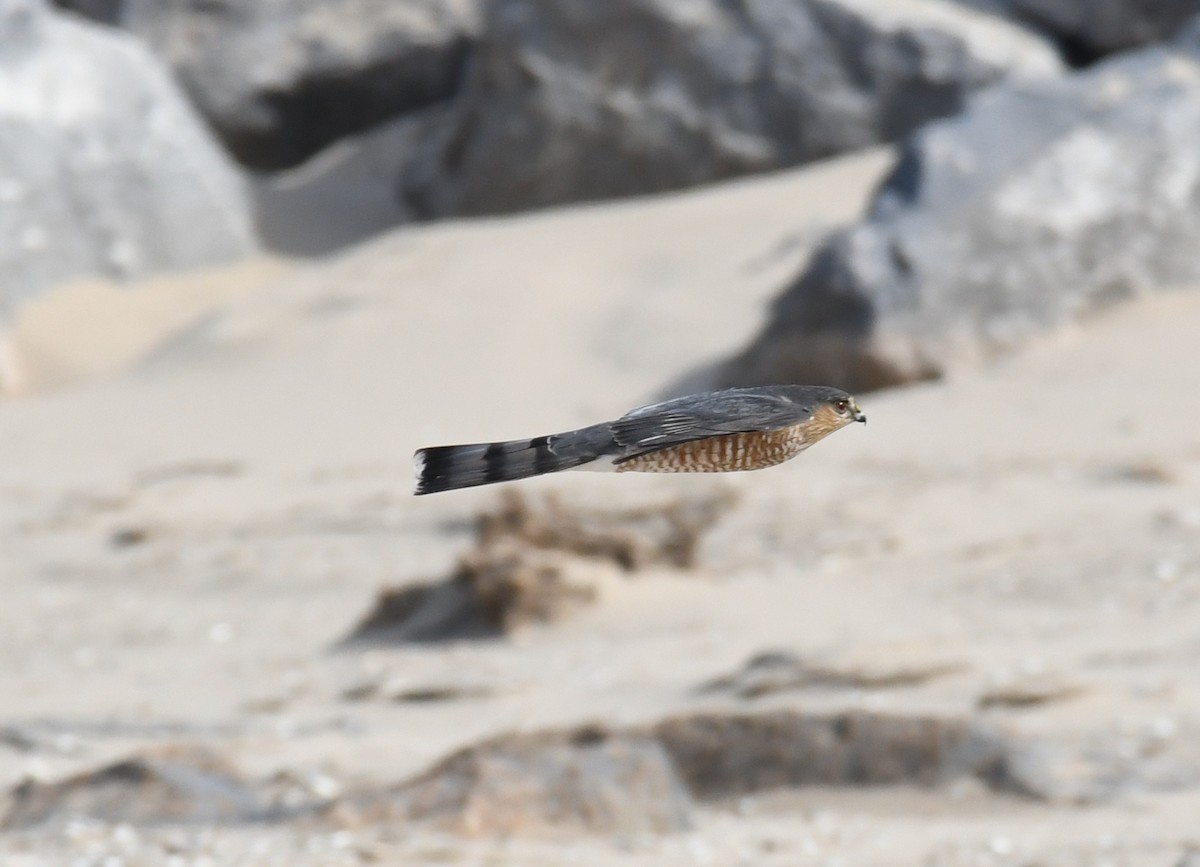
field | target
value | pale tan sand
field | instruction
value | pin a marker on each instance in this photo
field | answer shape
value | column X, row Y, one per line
column 94, row 329
column 1034, row 521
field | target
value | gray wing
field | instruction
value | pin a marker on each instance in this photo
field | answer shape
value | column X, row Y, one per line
column 737, row 410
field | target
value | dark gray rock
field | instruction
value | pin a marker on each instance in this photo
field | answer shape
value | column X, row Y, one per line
column 1088, row 29
column 281, row 79
column 1043, row 202
column 343, row 195
column 725, row 755
column 171, row 785
column 104, row 168
column 570, row 100
column 104, row 11
column 587, row 779
column 645, row 779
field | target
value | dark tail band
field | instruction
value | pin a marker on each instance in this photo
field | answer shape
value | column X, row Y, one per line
column 446, row 468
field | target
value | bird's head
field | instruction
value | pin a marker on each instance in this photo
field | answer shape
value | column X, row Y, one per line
column 847, row 408
column 830, row 409
column 836, row 407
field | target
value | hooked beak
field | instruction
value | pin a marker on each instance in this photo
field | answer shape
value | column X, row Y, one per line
column 858, row 415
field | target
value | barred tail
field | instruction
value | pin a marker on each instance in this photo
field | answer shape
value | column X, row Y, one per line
column 445, row 468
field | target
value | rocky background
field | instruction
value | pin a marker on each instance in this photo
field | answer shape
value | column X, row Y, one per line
column 257, row 253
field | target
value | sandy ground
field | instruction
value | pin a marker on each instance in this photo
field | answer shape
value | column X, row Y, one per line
column 94, row 329
column 1034, row 522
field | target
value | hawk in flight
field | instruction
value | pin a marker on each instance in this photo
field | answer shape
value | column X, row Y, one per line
column 723, row 431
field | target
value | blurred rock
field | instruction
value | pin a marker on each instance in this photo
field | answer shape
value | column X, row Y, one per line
column 105, row 169
column 515, row 586
column 660, row 534
column 1030, row 691
column 281, row 79
column 404, row 690
column 644, row 779
column 782, row 670
column 1043, row 202
column 1142, row 472
column 1089, row 29
column 421, row 612
column 344, row 194
column 588, row 779
column 537, row 562
column 724, row 755
column 1108, row 762
column 574, row 100
column 104, row 11
column 182, row 784
column 494, row 591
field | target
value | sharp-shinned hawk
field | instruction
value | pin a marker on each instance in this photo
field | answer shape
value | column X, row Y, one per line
column 722, row 431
